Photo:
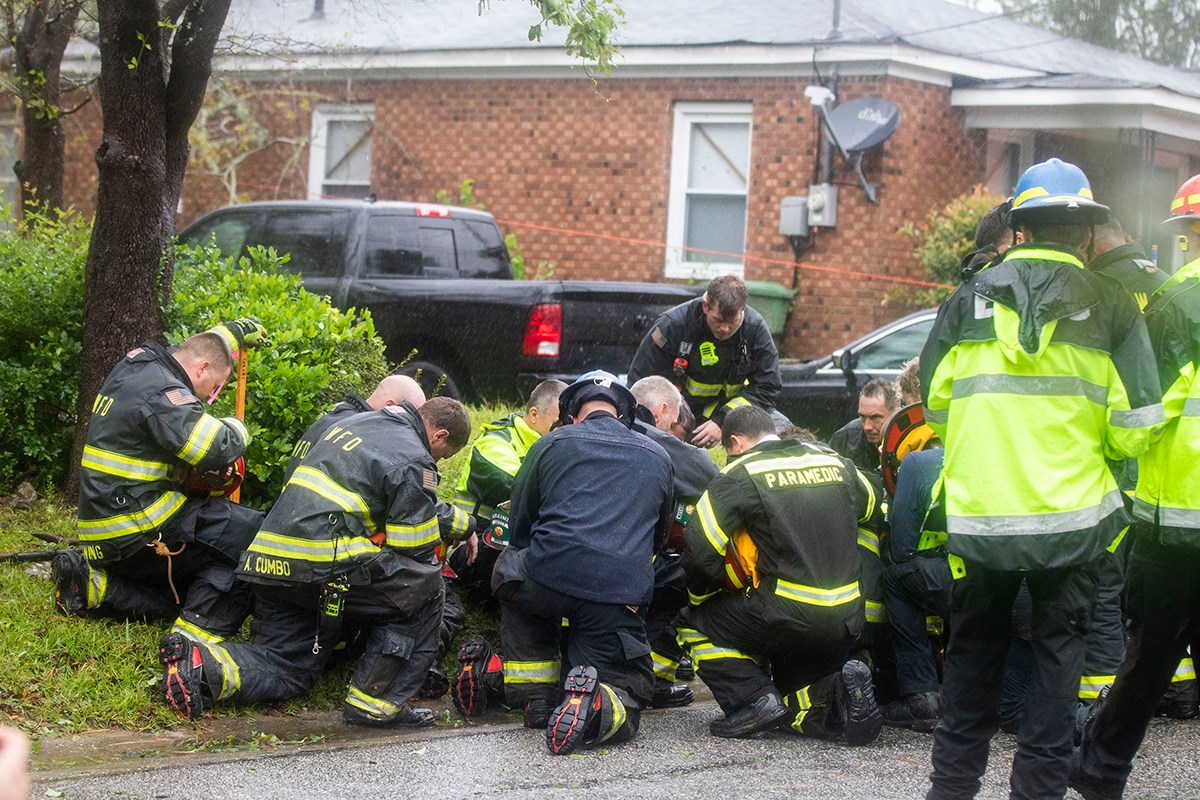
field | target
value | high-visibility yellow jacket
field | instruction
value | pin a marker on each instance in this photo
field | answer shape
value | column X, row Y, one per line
column 1168, row 489
column 1036, row 370
column 487, row 478
column 147, row 430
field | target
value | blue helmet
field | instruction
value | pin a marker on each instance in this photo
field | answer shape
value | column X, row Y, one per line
column 596, row 385
column 1056, row 193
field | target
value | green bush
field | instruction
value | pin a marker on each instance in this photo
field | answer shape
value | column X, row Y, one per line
column 41, row 322
column 317, row 352
column 947, row 235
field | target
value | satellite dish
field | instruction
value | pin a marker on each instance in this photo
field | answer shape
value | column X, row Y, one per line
column 857, row 126
column 864, row 123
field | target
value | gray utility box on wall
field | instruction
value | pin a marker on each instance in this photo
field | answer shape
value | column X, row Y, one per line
column 793, row 216
column 822, row 205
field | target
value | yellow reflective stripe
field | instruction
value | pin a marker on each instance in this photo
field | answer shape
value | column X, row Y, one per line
column 697, row 599
column 734, row 579
column 321, row 484
column 375, row 706
column 123, row 466
column 198, row 443
column 871, row 499
column 1186, row 671
column 619, row 714
column 1090, row 686
column 319, row 551
column 231, row 674
column 868, row 540
column 418, row 535
column 876, row 612
column 1029, row 194
column 1180, row 202
column 958, row 567
column 97, row 587
column 807, row 461
column 460, row 523
column 226, row 336
column 709, row 525
column 803, row 705
column 195, row 632
column 532, row 671
column 697, row 389
column 239, row 427
column 465, row 502
column 161, row 510
column 737, row 402
column 664, row 667
column 814, row 595
column 710, row 652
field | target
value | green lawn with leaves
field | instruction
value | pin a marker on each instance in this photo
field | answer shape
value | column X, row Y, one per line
column 65, row 675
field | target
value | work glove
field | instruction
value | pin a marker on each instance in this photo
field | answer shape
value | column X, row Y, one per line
column 253, row 332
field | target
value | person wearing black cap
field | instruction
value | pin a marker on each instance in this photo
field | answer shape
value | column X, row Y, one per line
column 588, row 505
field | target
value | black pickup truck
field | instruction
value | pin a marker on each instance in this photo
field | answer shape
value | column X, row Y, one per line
column 438, row 280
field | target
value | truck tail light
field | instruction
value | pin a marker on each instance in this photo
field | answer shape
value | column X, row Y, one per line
column 543, row 331
column 433, row 211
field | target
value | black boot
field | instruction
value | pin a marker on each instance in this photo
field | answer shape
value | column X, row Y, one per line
column 760, row 715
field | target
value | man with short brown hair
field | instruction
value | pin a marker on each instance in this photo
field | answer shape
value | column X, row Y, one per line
column 719, row 354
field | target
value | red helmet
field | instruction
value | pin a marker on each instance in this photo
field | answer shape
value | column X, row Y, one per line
column 1186, row 205
column 220, row 482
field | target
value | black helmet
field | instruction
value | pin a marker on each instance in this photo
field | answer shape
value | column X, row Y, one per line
column 596, row 385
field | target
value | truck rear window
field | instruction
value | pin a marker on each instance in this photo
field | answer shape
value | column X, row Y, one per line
column 314, row 239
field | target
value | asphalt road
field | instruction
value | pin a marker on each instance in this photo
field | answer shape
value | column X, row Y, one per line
column 672, row 757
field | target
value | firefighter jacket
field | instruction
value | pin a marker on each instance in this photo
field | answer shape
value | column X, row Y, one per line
column 693, row 467
column 147, row 431
column 487, row 477
column 1129, row 265
column 349, row 406
column 453, row 524
column 368, row 485
column 1035, row 372
column 588, row 506
column 801, row 505
column 1168, row 489
column 719, row 376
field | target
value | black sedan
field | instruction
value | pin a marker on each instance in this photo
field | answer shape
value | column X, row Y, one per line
column 822, row 394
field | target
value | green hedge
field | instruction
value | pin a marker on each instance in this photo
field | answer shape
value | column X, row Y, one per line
column 41, row 322
column 317, row 352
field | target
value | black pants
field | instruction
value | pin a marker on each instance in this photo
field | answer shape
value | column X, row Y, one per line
column 670, row 597
column 746, row 645
column 1163, row 597
column 611, row 638
column 212, row 532
column 279, row 662
column 1106, row 630
column 980, row 631
column 914, row 589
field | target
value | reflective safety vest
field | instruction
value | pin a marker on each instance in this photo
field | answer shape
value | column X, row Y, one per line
column 1036, row 370
column 147, row 431
column 799, row 506
column 369, row 483
column 1168, row 489
column 487, row 478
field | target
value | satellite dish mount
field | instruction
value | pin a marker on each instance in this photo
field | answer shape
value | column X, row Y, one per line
column 855, row 127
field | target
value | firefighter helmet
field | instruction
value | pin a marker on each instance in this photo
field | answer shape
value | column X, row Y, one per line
column 1185, row 208
column 596, row 385
column 1056, row 193
column 905, row 432
column 219, row 482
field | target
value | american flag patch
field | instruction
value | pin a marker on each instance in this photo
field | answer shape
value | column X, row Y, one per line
column 179, row 397
column 429, row 480
column 657, row 336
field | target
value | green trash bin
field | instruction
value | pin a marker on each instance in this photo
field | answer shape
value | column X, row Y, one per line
column 771, row 300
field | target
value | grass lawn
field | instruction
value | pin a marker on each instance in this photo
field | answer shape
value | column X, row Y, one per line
column 64, row 675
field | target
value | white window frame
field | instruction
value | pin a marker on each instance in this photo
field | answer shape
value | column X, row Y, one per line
column 11, row 125
column 319, row 143
column 680, row 264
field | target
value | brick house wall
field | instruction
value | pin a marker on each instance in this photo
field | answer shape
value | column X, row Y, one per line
column 565, row 154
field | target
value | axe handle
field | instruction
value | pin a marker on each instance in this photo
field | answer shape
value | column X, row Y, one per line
column 239, row 406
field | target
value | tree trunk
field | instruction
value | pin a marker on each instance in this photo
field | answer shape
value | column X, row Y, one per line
column 38, row 54
column 147, row 112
